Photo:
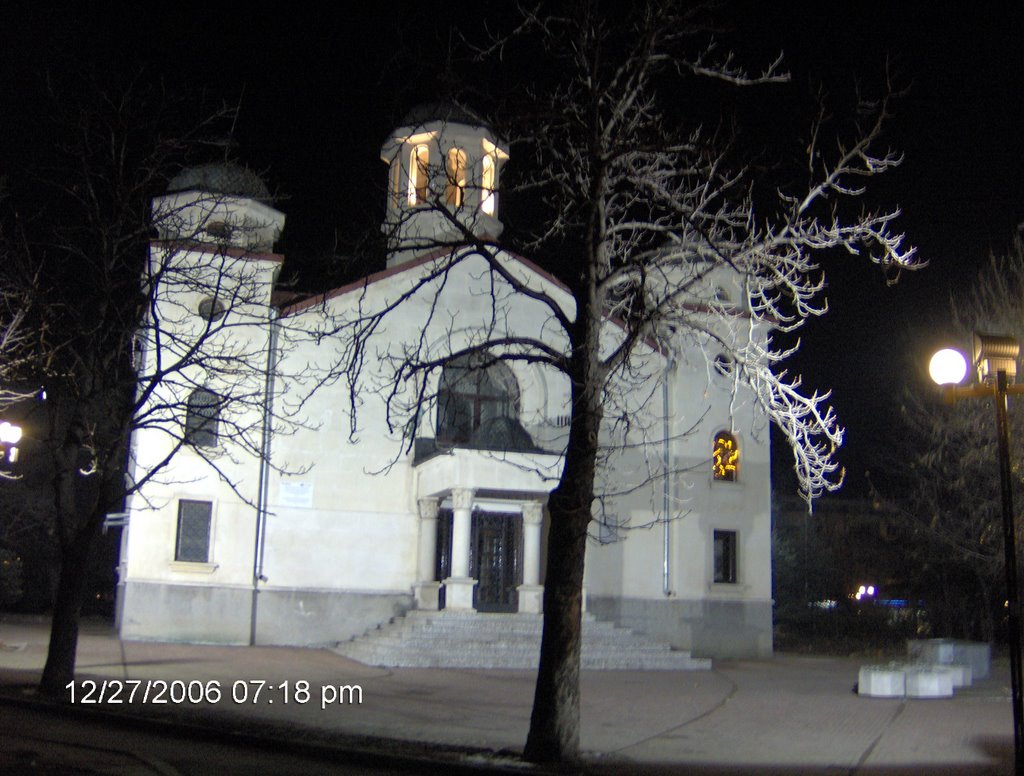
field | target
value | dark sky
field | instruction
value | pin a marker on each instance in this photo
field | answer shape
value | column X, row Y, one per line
column 319, row 92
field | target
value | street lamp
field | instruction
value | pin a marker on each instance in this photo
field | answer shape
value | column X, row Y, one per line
column 996, row 361
column 10, row 435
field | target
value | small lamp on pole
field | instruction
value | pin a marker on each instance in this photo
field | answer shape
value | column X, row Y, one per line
column 995, row 358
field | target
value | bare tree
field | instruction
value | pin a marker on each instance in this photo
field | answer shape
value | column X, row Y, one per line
column 14, row 334
column 146, row 323
column 646, row 214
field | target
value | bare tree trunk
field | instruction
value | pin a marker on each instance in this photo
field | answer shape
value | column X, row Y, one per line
column 67, row 609
column 555, row 720
column 80, row 505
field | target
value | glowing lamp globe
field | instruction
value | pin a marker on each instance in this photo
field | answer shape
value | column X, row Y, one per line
column 9, row 432
column 948, row 367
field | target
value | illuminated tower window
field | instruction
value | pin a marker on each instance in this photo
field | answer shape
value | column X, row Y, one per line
column 487, row 184
column 419, row 168
column 725, row 459
column 455, row 177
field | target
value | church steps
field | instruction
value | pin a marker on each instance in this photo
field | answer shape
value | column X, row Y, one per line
column 444, row 639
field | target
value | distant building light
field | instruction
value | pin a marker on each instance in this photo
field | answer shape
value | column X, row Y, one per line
column 827, row 604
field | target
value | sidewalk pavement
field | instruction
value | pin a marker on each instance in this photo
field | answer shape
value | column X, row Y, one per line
column 787, row 715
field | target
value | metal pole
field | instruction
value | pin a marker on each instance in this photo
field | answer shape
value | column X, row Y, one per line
column 666, row 485
column 1010, row 549
column 267, row 429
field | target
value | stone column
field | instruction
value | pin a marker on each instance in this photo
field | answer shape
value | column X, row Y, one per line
column 427, row 588
column 459, row 586
column 531, row 592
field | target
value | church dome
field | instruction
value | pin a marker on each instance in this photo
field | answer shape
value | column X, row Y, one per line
column 221, row 178
column 445, row 112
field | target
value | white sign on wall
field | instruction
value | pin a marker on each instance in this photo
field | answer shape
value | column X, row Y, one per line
column 296, row 494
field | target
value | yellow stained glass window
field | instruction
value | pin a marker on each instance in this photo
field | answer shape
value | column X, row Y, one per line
column 725, row 459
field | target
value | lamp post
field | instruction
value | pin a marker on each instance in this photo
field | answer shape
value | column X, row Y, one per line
column 996, row 361
column 10, row 435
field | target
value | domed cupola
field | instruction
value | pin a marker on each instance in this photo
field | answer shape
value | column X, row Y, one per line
column 224, row 204
column 444, row 167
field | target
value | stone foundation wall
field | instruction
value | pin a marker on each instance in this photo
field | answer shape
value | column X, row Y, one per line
column 222, row 615
column 708, row 628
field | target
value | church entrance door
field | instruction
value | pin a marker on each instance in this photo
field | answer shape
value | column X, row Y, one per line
column 495, row 558
column 495, row 562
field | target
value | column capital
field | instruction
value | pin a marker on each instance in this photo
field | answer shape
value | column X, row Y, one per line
column 533, row 513
column 462, row 498
column 428, row 508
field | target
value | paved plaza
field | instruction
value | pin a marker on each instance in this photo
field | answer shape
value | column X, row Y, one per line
column 787, row 715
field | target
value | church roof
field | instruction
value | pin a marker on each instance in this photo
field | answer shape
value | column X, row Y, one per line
column 220, row 178
column 297, row 306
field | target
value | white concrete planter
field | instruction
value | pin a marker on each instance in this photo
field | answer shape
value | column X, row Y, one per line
column 883, row 681
column 929, row 682
column 962, row 675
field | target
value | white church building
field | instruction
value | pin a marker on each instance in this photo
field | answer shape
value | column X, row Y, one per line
column 330, row 532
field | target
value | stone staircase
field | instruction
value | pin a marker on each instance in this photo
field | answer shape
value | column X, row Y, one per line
column 450, row 639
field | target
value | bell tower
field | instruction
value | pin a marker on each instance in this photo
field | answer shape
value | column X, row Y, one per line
column 444, row 168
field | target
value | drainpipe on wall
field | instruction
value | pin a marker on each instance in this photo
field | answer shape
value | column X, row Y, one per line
column 263, row 483
column 666, row 586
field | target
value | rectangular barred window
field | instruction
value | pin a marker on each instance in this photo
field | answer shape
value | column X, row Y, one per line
column 726, row 550
column 193, row 543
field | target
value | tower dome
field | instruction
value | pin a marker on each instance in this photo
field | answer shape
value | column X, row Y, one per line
column 429, row 112
column 444, row 166
column 224, row 203
column 221, row 178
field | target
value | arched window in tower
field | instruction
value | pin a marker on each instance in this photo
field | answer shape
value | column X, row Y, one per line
column 488, row 182
column 478, row 405
column 455, row 177
column 419, row 174
column 725, row 458
column 201, row 415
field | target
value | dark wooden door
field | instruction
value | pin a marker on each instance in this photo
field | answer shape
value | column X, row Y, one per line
column 495, row 558
column 443, row 558
column 495, row 561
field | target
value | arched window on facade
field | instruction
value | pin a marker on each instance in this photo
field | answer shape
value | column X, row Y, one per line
column 478, row 405
column 488, row 182
column 455, row 177
column 419, row 174
column 201, row 416
column 725, row 457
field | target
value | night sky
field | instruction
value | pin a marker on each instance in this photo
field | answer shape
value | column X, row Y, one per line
column 319, row 93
